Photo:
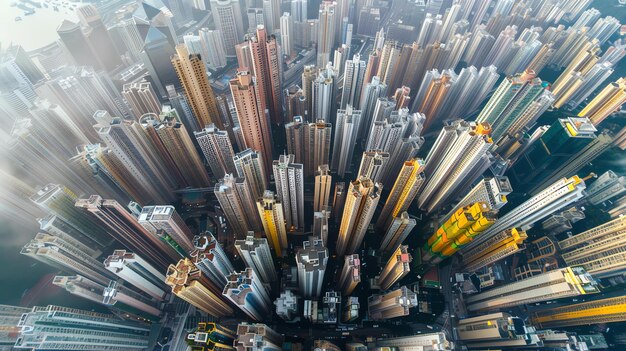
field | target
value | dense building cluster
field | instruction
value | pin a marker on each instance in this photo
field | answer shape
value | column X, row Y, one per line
column 379, row 175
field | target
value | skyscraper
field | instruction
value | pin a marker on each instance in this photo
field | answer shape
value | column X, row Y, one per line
column 141, row 98
column 238, row 204
column 593, row 312
column 510, row 100
column 361, row 201
column 66, row 254
column 311, row 262
column 287, row 305
column 606, row 186
column 323, row 92
column 289, row 177
column 353, row 82
column 211, row 336
column 272, row 216
column 213, row 44
column 400, row 227
column 321, row 194
column 73, row 327
column 492, row 191
column 557, row 196
column 309, row 143
column 217, row 150
column 606, row 102
column 559, row 283
column 326, row 38
column 434, row 340
column 209, row 256
column 190, row 284
column 598, row 250
column 373, row 164
column 405, row 188
column 372, row 91
column 396, row 268
column 350, row 275
column 287, row 34
column 458, row 230
column 257, row 337
column 266, row 67
column 246, row 291
column 125, row 228
column 165, row 218
column 458, row 157
column 227, row 16
column 249, row 165
column 496, row 248
column 485, row 331
column 393, row 304
column 250, row 108
column 137, row 272
column 346, row 132
column 194, row 79
column 255, row 252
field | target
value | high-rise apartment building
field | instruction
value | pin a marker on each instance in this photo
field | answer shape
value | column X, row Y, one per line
column 320, row 225
column 289, row 177
column 510, row 102
column 137, row 272
column 436, row 341
column 458, row 157
column 593, row 312
column 327, row 33
column 238, row 204
column 209, row 256
column 287, row 305
column 165, row 218
column 350, row 275
column 74, row 327
column 124, row 227
column 272, row 216
column 606, row 186
column 217, row 149
column 255, row 252
column 399, row 228
column 211, row 336
column 461, row 228
column 559, row 283
column 287, row 34
column 250, row 107
column 353, row 82
column 372, row 91
column 406, row 187
column 606, row 102
column 491, row 190
column 311, row 262
column 214, row 48
column 302, row 138
column 68, row 254
column 246, row 291
column 194, row 79
column 227, row 16
column 266, row 67
column 557, row 196
column 373, row 164
column 397, row 267
column 257, row 336
column 361, row 201
column 494, row 249
column 487, row 331
column 599, row 250
column 141, row 98
column 190, row 284
column 323, row 92
column 393, row 304
column 249, row 165
column 321, row 195
column 346, row 133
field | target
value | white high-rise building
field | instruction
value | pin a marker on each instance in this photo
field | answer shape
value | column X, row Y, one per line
column 289, row 177
column 246, row 291
column 211, row 259
column 287, row 34
column 323, row 92
column 227, row 16
column 137, row 272
column 237, row 202
column 214, row 48
column 346, row 131
column 373, row 163
column 311, row 260
column 249, row 165
column 256, row 254
column 492, row 191
column 156, row 218
column 299, row 10
column 353, row 76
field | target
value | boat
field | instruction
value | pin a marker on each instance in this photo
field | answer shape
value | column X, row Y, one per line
column 18, row 18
